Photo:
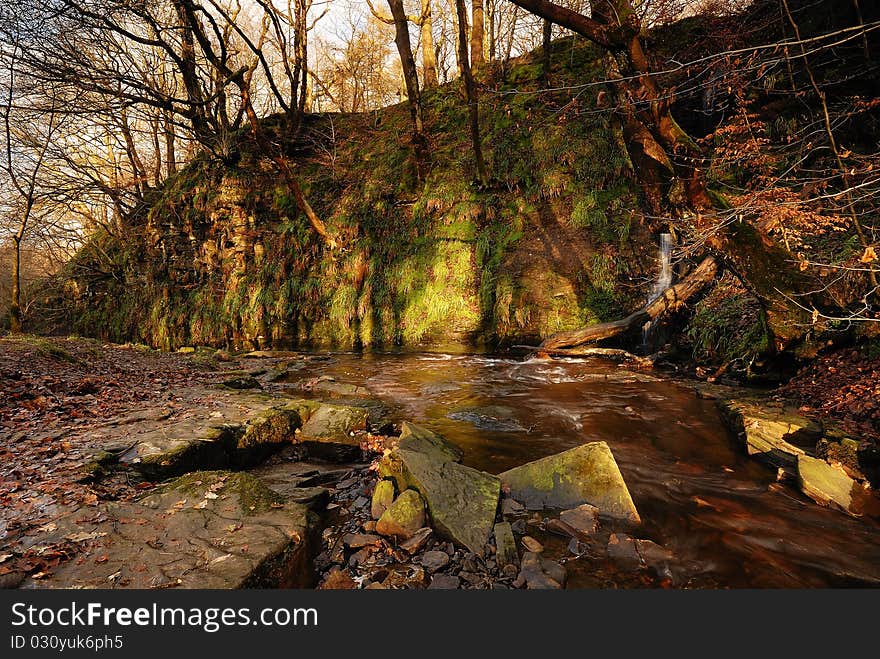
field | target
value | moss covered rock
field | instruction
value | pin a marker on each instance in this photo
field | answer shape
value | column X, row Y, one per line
column 404, row 517
column 585, row 474
column 383, row 497
column 775, row 435
column 461, row 501
column 416, row 438
column 332, row 431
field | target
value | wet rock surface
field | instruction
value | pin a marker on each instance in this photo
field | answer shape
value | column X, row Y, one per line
column 203, row 530
column 265, row 427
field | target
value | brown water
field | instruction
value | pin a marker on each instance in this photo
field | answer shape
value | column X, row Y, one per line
column 726, row 520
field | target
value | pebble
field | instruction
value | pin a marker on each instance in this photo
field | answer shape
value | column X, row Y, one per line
column 435, row 560
column 532, row 545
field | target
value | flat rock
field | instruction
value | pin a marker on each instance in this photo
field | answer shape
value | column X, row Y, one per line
column 434, row 560
column 829, row 485
column 422, row 440
column 239, row 433
column 359, row 540
column 461, row 501
column 511, row 508
column 496, row 418
column 414, row 544
column 241, row 382
column 775, row 435
column 330, row 432
column 532, row 545
column 584, row 474
column 581, row 522
column 444, row 582
column 404, row 517
column 206, row 530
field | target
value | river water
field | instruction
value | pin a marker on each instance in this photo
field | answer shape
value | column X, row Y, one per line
column 722, row 515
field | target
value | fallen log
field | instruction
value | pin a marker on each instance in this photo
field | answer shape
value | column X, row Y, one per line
column 615, row 355
column 670, row 300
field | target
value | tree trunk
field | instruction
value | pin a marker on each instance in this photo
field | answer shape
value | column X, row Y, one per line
column 470, row 90
column 675, row 187
column 170, row 156
column 429, row 57
column 411, row 80
column 477, row 33
column 15, row 301
column 671, row 299
column 545, row 51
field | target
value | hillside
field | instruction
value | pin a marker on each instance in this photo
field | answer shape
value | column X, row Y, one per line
column 223, row 257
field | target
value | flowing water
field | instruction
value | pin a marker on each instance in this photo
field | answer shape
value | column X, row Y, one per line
column 726, row 520
column 663, row 281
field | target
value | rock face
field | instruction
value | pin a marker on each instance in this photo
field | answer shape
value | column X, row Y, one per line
column 774, row 435
column 204, row 530
column 404, row 517
column 461, row 501
column 585, row 474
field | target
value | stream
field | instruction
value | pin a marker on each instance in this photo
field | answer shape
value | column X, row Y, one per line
column 723, row 516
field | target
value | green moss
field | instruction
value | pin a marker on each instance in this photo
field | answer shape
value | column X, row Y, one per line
column 223, row 256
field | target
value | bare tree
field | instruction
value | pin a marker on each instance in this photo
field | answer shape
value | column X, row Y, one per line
column 28, row 131
column 470, row 92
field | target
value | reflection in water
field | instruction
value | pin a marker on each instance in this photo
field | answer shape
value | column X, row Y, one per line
column 723, row 516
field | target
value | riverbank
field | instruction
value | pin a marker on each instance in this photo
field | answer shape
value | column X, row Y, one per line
column 80, row 420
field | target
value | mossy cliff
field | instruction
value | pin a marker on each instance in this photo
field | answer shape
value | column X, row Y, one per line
column 222, row 256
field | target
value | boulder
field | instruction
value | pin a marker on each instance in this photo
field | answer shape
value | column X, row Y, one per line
column 505, row 545
column 330, row 432
column 776, row 435
column 404, row 517
column 416, row 438
column 461, row 501
column 206, row 530
column 383, row 496
column 585, row 474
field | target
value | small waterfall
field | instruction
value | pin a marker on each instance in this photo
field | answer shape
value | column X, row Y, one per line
column 663, row 281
